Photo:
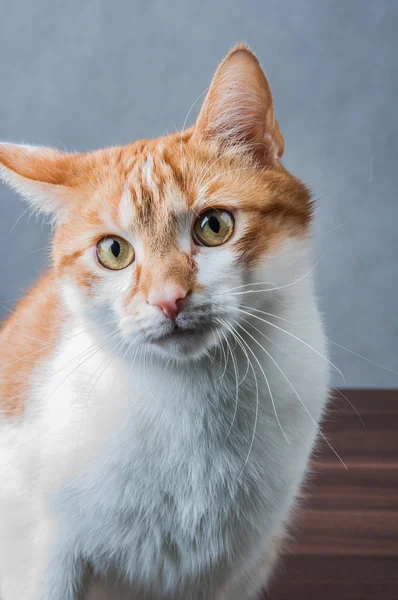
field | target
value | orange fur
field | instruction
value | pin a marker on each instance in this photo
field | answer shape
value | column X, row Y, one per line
column 41, row 314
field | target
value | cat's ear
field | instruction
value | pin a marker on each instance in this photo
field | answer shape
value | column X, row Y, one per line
column 239, row 109
column 43, row 176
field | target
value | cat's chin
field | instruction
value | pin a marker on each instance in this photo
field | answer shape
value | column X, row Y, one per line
column 184, row 345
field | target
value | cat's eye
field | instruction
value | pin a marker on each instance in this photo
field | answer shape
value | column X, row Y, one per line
column 213, row 228
column 113, row 252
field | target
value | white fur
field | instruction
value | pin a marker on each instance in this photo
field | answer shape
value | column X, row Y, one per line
column 147, row 174
column 130, row 461
column 126, row 210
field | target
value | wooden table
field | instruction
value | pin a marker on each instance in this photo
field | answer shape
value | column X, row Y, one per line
column 346, row 539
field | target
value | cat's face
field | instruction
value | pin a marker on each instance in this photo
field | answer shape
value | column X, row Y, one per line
column 152, row 238
column 161, row 234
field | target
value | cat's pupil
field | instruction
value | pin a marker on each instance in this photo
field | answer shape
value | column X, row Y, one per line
column 214, row 224
column 115, row 249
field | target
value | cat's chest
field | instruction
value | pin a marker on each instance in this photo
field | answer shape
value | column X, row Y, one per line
column 161, row 505
column 147, row 423
column 159, row 484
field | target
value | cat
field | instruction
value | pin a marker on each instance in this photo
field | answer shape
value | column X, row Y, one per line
column 162, row 386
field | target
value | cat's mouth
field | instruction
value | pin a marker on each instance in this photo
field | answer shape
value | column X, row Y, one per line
column 192, row 334
column 182, row 342
column 179, row 333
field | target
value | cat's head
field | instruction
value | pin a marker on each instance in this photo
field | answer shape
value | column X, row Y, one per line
column 154, row 239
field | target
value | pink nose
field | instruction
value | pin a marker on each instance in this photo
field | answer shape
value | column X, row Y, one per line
column 168, row 299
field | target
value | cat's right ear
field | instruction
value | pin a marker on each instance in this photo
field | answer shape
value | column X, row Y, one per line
column 239, row 110
column 43, row 176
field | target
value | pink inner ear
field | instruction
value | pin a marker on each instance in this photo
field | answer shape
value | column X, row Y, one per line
column 239, row 109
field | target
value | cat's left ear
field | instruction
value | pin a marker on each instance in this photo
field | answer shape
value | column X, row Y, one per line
column 239, row 110
column 44, row 176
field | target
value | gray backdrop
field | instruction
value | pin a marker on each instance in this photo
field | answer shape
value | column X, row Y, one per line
column 89, row 73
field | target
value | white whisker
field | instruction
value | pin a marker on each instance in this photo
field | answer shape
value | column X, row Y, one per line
column 224, row 354
column 44, row 348
column 238, row 287
column 266, row 381
column 86, row 351
column 281, row 287
column 294, row 337
column 334, row 228
column 263, row 312
column 236, row 390
column 75, row 368
column 294, row 390
column 350, row 403
column 372, row 362
column 234, row 333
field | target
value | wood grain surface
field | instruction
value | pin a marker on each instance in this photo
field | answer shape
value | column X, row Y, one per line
column 345, row 543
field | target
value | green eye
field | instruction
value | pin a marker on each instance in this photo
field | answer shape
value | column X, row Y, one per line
column 213, row 228
column 113, row 252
